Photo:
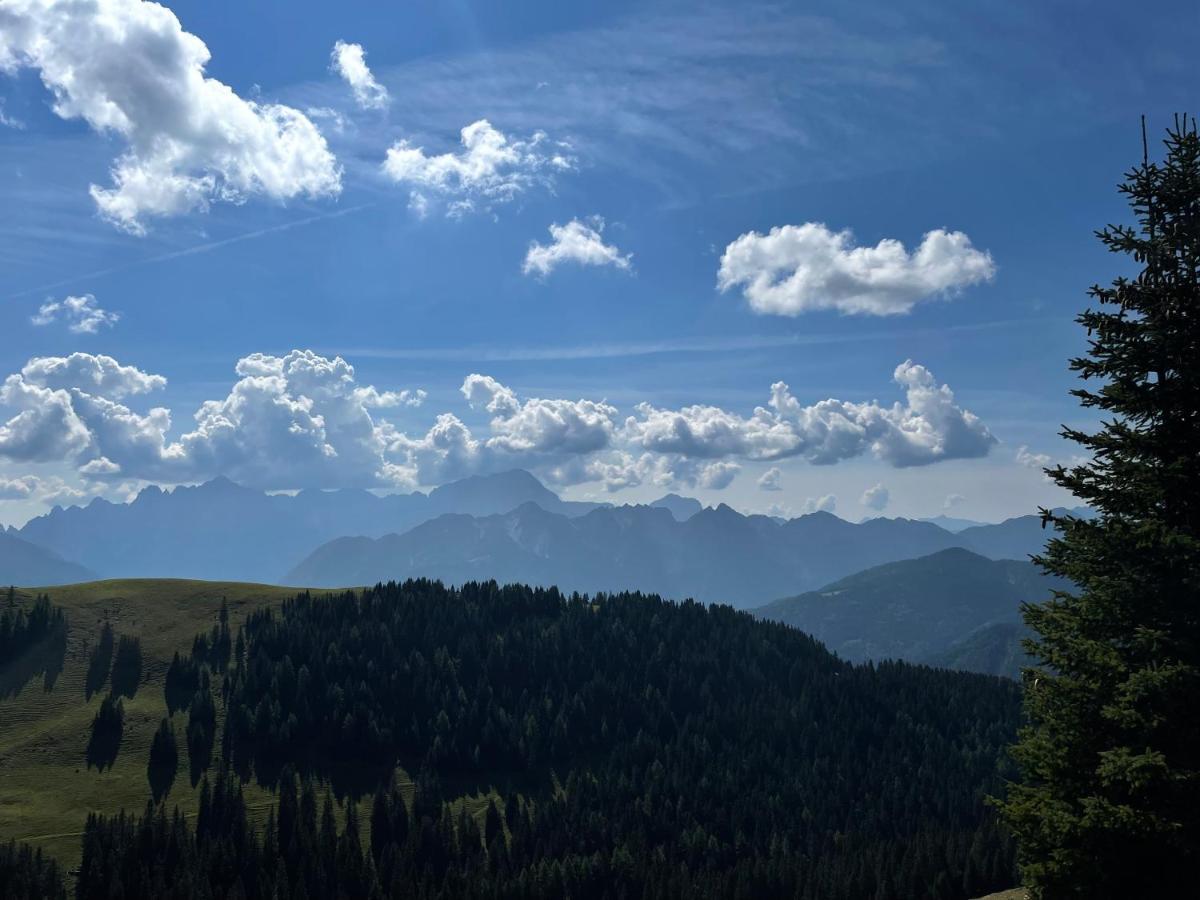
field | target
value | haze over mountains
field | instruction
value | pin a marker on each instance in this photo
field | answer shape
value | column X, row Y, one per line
column 221, row 530
column 716, row 555
column 28, row 564
column 953, row 608
column 508, row 526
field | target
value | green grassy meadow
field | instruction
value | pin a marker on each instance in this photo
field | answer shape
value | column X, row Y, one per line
column 46, row 786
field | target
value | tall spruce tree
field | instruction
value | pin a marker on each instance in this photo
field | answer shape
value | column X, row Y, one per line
column 1109, row 804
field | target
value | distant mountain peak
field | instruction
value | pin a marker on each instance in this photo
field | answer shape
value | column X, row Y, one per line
column 682, row 508
column 952, row 524
column 819, row 515
column 515, row 484
column 223, row 485
column 512, row 477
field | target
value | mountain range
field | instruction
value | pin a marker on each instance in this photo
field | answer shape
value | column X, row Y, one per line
column 221, row 530
column 506, row 526
column 27, row 564
column 954, row 608
column 714, row 555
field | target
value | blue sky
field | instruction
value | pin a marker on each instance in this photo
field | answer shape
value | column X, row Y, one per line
column 666, row 133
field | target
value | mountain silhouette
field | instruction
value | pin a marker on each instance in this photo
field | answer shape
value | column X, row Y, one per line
column 923, row 610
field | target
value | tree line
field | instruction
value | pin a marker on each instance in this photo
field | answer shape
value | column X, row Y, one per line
column 21, row 629
column 688, row 747
column 624, row 746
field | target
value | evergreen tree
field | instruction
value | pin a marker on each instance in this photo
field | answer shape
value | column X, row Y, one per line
column 1110, row 800
column 25, row 874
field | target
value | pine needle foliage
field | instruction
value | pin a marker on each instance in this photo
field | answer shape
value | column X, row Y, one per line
column 1109, row 803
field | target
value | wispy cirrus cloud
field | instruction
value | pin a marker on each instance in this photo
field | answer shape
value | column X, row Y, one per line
column 196, row 249
column 9, row 121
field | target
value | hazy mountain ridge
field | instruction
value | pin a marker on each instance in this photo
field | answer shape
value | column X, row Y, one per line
column 27, row 564
column 943, row 609
column 222, row 530
column 716, row 555
column 682, row 508
column 507, row 526
column 952, row 524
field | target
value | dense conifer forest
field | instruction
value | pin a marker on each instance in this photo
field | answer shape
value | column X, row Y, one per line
column 26, row 873
column 637, row 748
column 623, row 745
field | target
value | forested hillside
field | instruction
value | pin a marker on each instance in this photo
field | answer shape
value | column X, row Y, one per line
column 937, row 609
column 632, row 744
column 516, row 742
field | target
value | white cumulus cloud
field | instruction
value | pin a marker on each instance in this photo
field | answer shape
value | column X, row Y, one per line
column 621, row 469
column 350, row 62
column 127, row 68
column 299, row 420
column 875, row 498
column 101, row 375
column 59, row 407
column 304, row 420
column 927, row 428
column 490, row 169
column 717, row 476
column 21, row 488
column 81, row 314
column 1029, row 459
column 560, row 437
column 770, row 480
column 576, row 242
column 826, row 503
column 49, row 490
column 540, row 425
column 795, row 269
column 296, row 420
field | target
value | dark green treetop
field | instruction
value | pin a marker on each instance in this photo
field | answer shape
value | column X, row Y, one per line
column 1109, row 804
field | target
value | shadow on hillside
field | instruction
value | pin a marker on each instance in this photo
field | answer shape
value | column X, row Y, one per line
column 99, row 663
column 127, row 666
column 46, row 658
column 107, row 729
column 164, row 761
column 161, row 778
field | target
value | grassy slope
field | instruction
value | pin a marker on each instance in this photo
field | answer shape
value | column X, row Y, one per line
column 46, row 788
